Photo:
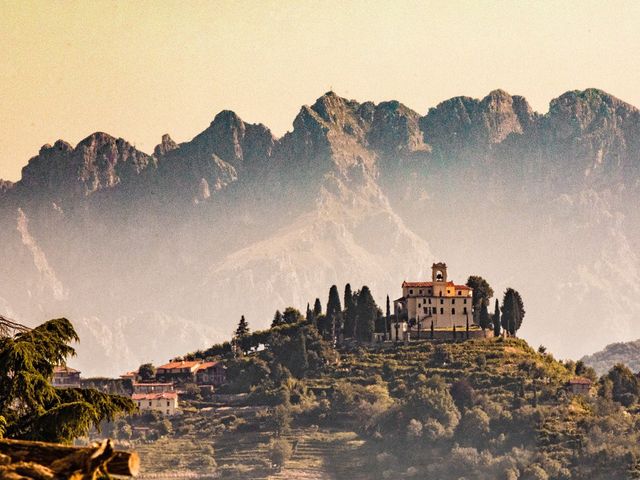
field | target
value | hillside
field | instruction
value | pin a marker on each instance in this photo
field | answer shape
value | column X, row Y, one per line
column 627, row 353
column 481, row 409
column 121, row 240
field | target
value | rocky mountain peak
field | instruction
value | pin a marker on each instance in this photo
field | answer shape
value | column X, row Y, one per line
column 165, row 146
column 395, row 129
column 476, row 123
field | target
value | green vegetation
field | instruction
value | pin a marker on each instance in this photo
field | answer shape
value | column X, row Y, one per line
column 30, row 407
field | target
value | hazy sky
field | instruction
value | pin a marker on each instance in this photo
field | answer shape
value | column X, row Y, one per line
column 140, row 69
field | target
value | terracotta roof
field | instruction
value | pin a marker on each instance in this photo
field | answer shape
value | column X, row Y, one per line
column 182, row 364
column 65, row 369
column 580, row 381
column 430, row 284
column 154, row 396
column 206, row 365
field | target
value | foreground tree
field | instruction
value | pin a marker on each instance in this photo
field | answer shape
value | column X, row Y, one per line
column 292, row 315
column 30, row 407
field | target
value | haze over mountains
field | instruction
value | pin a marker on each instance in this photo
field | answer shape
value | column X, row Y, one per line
column 152, row 255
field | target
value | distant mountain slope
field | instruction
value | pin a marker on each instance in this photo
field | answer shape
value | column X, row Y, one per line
column 621, row 352
column 237, row 221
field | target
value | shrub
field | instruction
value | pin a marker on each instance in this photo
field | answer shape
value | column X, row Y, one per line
column 280, row 452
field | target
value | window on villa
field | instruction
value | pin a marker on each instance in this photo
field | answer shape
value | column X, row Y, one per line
column 430, row 292
column 459, row 292
column 442, row 310
column 465, row 301
column 149, row 402
column 453, row 300
column 410, row 292
column 464, row 310
column 168, row 404
column 425, row 310
column 440, row 293
column 441, row 301
column 429, row 301
column 453, row 311
column 420, row 292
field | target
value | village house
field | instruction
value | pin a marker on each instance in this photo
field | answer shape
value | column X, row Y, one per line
column 65, row 377
column 211, row 373
column 579, row 386
column 202, row 373
column 440, row 301
column 165, row 403
column 152, row 387
column 179, row 371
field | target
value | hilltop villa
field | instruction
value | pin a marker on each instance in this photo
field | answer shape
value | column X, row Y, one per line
column 439, row 301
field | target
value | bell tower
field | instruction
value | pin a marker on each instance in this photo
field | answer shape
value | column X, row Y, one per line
column 439, row 273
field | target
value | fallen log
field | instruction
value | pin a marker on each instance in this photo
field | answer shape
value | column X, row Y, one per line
column 65, row 459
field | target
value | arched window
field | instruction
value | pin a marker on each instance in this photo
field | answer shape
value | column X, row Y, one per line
column 453, row 311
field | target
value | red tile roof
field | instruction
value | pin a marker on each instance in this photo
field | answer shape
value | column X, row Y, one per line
column 430, row 284
column 206, row 365
column 154, row 396
column 182, row 364
column 152, row 384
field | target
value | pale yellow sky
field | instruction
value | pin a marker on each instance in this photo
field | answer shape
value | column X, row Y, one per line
column 144, row 68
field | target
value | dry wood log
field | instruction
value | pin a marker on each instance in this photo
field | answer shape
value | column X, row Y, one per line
column 64, row 458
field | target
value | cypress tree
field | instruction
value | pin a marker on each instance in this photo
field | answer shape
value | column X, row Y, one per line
column 309, row 315
column 366, row 316
column 432, row 330
column 334, row 312
column 387, row 322
column 454, row 333
column 349, row 312
column 317, row 308
column 512, row 311
column 277, row 319
column 484, row 319
column 496, row 320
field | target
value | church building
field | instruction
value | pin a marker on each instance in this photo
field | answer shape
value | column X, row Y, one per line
column 439, row 301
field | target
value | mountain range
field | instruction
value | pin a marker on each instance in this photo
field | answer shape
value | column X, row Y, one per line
column 154, row 254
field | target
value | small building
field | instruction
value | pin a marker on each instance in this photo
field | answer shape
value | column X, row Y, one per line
column 180, row 371
column 65, row 377
column 165, row 403
column 399, row 331
column 131, row 376
column 152, row 387
column 579, row 386
column 211, row 373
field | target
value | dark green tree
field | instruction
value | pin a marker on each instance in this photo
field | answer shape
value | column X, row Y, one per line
column 349, row 312
column 147, row 372
column 512, row 311
column 366, row 316
column 334, row 312
column 277, row 319
column 243, row 328
column 309, row 314
column 481, row 290
column 483, row 319
column 317, row 308
column 387, row 319
column 496, row 320
column 30, row 407
column 242, row 337
column 292, row 315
